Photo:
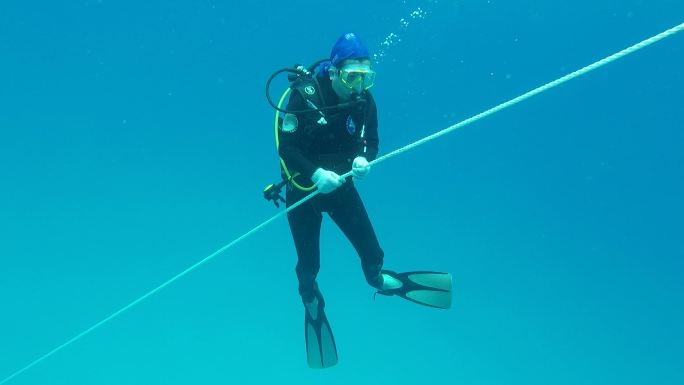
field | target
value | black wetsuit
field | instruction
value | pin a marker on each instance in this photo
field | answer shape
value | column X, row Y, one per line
column 332, row 146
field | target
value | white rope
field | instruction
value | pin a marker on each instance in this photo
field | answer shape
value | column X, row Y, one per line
column 392, row 154
column 532, row 93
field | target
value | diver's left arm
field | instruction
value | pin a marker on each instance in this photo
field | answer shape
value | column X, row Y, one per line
column 368, row 145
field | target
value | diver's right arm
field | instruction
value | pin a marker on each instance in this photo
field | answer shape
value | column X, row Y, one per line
column 290, row 151
column 291, row 143
column 291, row 146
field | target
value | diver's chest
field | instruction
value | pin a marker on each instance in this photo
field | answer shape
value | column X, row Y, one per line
column 340, row 127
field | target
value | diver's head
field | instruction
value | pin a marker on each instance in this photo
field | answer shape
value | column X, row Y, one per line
column 350, row 71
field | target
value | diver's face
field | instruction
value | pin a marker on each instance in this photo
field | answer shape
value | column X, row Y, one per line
column 341, row 83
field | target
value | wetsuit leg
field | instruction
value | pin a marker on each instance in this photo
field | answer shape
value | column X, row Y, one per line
column 305, row 225
column 349, row 213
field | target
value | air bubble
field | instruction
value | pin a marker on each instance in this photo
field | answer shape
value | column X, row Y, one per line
column 393, row 39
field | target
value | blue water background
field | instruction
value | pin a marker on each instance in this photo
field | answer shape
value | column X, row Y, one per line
column 135, row 140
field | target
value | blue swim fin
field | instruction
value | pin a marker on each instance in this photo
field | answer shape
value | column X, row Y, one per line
column 321, row 351
column 427, row 288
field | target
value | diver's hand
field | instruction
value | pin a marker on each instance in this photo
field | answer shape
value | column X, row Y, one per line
column 326, row 181
column 360, row 168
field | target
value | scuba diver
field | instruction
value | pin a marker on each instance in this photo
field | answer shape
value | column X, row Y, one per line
column 330, row 126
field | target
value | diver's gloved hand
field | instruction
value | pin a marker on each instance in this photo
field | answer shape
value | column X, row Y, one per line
column 326, row 181
column 360, row 168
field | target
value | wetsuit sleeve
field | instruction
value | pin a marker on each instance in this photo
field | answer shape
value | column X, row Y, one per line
column 291, row 147
column 369, row 146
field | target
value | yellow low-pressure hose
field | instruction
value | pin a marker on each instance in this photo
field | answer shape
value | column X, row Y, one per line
column 290, row 177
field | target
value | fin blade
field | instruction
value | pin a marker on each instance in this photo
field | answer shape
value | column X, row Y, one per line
column 426, row 288
column 321, row 351
column 328, row 347
column 432, row 298
column 313, row 351
column 434, row 280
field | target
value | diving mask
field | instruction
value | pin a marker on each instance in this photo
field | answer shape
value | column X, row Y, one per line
column 357, row 76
